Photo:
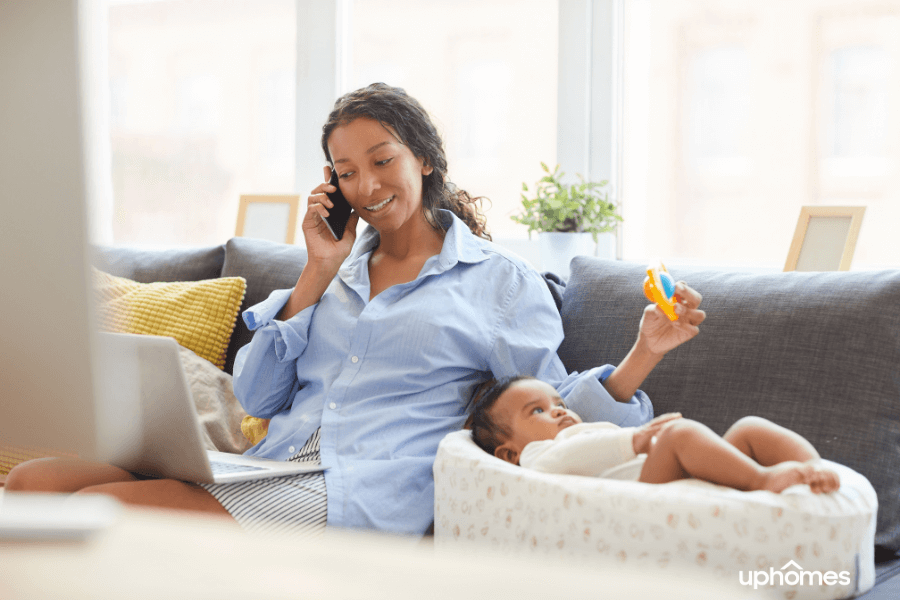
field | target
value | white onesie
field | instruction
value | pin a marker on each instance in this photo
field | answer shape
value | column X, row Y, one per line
column 590, row 449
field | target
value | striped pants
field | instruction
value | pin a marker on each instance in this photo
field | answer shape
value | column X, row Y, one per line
column 294, row 505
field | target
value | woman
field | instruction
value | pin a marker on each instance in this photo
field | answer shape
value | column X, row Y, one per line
column 374, row 355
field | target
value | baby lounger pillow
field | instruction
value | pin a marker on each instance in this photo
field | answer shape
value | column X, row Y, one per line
column 788, row 542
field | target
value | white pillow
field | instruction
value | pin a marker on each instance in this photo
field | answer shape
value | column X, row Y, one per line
column 219, row 411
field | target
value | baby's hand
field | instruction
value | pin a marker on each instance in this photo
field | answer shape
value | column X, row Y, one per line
column 644, row 435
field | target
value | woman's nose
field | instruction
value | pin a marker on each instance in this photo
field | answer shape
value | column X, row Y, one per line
column 368, row 183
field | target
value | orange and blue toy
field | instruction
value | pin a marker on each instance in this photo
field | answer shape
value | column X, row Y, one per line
column 659, row 287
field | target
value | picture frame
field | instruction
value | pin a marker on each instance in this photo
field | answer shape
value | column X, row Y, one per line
column 825, row 238
column 268, row 217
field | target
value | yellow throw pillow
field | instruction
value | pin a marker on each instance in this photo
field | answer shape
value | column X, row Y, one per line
column 200, row 315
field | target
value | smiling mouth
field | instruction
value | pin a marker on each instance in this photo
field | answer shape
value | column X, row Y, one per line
column 380, row 205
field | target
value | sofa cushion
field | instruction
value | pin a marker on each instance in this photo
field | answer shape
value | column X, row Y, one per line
column 149, row 265
column 818, row 353
column 200, row 315
column 266, row 266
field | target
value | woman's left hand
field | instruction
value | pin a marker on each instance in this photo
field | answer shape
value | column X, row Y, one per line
column 660, row 334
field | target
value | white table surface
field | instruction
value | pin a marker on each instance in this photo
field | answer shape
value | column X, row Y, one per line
column 163, row 554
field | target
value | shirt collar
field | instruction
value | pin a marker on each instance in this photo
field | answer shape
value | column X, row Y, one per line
column 460, row 244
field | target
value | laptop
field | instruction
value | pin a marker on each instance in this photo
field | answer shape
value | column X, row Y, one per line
column 145, row 402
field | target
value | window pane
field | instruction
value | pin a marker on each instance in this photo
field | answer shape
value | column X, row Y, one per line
column 717, row 97
column 860, row 76
column 738, row 113
column 202, row 111
column 486, row 71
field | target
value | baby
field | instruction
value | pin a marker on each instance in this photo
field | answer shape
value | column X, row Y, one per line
column 523, row 420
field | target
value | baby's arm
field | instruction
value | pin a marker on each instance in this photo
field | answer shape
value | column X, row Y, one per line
column 588, row 449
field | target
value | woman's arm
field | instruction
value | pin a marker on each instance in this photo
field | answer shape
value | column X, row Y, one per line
column 265, row 370
column 528, row 334
column 325, row 253
column 656, row 336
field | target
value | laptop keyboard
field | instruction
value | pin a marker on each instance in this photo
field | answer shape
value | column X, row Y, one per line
column 222, row 468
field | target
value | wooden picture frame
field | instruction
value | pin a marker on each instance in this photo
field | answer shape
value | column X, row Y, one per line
column 268, row 217
column 825, row 238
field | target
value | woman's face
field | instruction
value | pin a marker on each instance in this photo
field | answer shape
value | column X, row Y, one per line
column 380, row 177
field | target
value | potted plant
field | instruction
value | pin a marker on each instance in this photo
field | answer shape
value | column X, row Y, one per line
column 569, row 218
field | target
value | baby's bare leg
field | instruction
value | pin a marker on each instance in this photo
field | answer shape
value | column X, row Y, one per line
column 690, row 449
column 772, row 445
column 62, row 475
column 768, row 443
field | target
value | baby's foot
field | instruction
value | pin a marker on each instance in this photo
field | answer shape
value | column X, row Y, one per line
column 783, row 475
column 822, row 480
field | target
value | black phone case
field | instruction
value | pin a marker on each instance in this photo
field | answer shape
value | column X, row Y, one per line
column 339, row 214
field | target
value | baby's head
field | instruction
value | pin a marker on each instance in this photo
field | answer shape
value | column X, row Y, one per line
column 515, row 411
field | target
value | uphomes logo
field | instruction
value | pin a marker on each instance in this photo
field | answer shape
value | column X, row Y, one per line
column 793, row 577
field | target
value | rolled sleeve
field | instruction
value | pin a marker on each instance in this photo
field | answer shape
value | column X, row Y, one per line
column 265, row 312
column 265, row 370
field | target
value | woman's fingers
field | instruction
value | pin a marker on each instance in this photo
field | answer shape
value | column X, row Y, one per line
column 686, row 295
column 316, row 208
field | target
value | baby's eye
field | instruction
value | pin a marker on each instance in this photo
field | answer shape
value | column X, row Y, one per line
column 537, row 411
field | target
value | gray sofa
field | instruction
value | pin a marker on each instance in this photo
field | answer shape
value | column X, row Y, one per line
column 816, row 352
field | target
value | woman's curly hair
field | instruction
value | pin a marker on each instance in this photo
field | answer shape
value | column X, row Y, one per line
column 393, row 106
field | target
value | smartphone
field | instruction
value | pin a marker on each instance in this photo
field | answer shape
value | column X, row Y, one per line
column 339, row 214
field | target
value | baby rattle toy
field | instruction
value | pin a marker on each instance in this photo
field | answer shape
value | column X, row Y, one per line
column 659, row 287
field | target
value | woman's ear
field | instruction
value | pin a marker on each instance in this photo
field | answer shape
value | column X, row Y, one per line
column 508, row 453
column 426, row 168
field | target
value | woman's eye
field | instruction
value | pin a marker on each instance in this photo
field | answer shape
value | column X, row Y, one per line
column 381, row 163
column 345, row 175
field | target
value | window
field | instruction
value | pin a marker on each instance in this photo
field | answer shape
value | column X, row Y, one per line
column 857, row 130
column 202, row 101
column 719, row 107
column 736, row 114
column 486, row 71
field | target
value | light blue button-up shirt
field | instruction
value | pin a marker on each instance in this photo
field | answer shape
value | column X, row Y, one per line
column 387, row 379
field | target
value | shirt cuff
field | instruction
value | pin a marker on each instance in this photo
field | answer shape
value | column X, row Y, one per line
column 587, row 396
column 290, row 336
column 265, row 312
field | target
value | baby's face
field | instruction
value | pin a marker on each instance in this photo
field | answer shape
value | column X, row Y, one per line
column 533, row 411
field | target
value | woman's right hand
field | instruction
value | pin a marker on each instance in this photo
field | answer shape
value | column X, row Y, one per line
column 324, row 253
column 323, row 250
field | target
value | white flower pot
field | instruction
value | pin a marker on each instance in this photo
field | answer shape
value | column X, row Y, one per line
column 559, row 248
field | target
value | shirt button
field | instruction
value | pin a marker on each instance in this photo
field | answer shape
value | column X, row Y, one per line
column 354, row 359
column 332, row 406
column 291, row 449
